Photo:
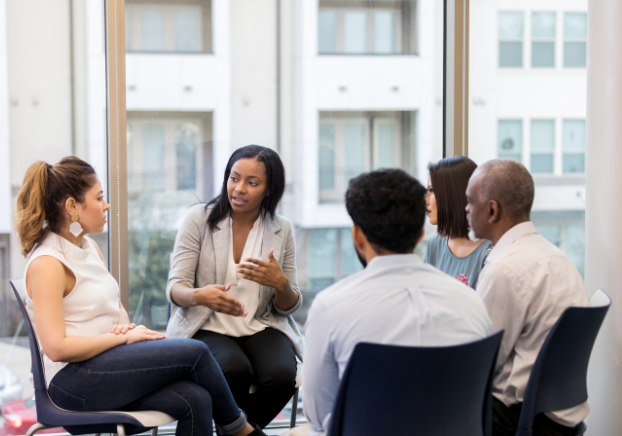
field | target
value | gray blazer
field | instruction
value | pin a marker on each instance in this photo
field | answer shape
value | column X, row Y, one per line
column 200, row 258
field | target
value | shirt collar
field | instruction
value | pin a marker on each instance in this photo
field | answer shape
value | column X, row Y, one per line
column 509, row 237
column 391, row 260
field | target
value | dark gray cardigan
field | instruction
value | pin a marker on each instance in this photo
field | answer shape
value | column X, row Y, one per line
column 200, row 258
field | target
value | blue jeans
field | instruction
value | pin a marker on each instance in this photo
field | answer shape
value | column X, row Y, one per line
column 176, row 376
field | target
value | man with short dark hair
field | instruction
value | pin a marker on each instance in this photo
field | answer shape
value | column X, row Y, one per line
column 526, row 284
column 396, row 299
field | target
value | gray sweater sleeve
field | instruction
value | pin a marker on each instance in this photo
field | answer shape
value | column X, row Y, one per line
column 185, row 257
column 289, row 266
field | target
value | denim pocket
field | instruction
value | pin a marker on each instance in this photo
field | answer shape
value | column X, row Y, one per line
column 66, row 401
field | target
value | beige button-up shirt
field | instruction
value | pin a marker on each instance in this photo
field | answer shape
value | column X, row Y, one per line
column 526, row 284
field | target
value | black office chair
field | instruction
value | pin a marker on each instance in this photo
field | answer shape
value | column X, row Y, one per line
column 558, row 379
column 77, row 423
column 427, row 391
column 293, row 416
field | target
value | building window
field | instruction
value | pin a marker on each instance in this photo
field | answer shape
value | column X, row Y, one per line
column 351, row 143
column 566, row 230
column 575, row 39
column 168, row 27
column 573, row 146
column 353, row 27
column 511, row 39
column 170, row 152
column 543, row 39
column 542, row 146
column 331, row 257
column 510, row 137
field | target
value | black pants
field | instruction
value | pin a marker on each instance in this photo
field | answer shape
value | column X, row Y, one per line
column 266, row 359
column 505, row 422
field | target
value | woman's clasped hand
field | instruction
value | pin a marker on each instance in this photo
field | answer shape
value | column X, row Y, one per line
column 136, row 333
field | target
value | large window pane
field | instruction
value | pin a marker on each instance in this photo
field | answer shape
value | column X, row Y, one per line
column 52, row 105
column 335, row 97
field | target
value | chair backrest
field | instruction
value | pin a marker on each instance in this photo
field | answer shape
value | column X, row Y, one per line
column 428, row 391
column 38, row 376
column 558, row 378
column 168, row 310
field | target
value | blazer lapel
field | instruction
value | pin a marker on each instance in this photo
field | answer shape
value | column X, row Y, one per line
column 220, row 239
column 271, row 240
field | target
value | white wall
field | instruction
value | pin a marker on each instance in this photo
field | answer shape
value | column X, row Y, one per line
column 39, row 83
column 5, row 152
column 603, row 236
column 253, row 73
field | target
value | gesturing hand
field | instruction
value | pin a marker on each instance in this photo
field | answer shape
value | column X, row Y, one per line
column 265, row 273
column 119, row 329
column 141, row 333
column 215, row 297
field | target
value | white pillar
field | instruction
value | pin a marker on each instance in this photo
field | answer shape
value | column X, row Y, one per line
column 603, row 212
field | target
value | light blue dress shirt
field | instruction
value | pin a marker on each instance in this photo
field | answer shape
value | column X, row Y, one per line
column 396, row 300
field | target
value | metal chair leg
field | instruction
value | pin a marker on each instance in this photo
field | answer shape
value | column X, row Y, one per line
column 154, row 431
column 36, row 427
column 292, row 419
column 120, row 430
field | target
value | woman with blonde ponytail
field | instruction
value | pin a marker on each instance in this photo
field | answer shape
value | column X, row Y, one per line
column 94, row 357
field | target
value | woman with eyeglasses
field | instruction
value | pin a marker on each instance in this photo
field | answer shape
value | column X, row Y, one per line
column 452, row 250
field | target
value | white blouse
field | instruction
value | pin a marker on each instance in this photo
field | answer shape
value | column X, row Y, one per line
column 92, row 307
column 243, row 290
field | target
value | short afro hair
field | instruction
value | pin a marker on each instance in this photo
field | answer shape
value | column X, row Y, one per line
column 509, row 183
column 389, row 207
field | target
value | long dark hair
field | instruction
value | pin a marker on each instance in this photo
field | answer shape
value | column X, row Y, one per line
column 450, row 178
column 276, row 183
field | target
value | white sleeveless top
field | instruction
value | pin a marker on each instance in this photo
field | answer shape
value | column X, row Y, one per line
column 92, row 307
column 245, row 291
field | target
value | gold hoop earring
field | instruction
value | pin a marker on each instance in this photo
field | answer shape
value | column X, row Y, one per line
column 75, row 228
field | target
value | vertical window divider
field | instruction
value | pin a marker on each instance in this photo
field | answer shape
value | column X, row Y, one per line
column 117, row 146
column 456, row 78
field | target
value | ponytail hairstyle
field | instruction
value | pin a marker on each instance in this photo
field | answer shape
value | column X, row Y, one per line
column 41, row 201
column 276, row 183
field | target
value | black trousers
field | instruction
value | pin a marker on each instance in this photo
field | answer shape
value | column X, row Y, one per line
column 266, row 359
column 505, row 422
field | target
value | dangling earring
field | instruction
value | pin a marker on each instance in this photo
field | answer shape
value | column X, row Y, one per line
column 75, row 228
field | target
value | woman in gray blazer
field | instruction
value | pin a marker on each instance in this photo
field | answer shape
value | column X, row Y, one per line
column 233, row 285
